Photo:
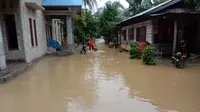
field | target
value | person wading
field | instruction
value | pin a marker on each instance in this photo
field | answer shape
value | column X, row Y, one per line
column 92, row 43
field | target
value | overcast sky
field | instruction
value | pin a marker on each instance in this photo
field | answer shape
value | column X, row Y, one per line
column 101, row 3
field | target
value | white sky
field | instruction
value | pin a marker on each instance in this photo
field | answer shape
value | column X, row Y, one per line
column 101, row 3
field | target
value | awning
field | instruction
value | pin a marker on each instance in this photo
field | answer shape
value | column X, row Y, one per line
column 34, row 5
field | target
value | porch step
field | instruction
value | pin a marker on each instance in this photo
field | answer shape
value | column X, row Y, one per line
column 13, row 73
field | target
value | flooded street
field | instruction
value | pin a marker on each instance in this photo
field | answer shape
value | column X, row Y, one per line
column 103, row 81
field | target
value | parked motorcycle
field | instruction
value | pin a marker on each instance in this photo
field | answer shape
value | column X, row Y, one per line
column 179, row 60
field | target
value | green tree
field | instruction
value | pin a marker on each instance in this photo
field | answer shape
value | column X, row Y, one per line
column 108, row 18
column 137, row 6
column 85, row 26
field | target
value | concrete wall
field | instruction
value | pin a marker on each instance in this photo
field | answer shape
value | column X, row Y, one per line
column 149, row 29
column 12, row 54
column 32, row 53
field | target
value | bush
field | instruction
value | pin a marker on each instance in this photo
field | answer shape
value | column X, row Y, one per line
column 133, row 44
column 147, row 56
column 121, row 49
column 134, row 51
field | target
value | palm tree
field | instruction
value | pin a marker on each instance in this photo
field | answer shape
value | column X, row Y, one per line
column 90, row 3
column 137, row 6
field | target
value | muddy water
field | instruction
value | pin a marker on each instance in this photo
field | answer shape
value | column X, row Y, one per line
column 103, row 81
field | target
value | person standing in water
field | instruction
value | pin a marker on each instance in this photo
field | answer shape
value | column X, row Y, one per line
column 92, row 43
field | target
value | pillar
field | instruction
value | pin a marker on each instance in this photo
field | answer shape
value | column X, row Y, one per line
column 70, row 40
column 57, row 32
column 135, row 34
column 3, row 66
column 175, row 37
column 53, row 30
column 127, row 34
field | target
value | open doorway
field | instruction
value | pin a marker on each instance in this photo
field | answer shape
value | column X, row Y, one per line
column 11, row 31
column 190, row 35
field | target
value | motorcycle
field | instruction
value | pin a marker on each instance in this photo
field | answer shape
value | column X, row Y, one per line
column 179, row 60
column 83, row 50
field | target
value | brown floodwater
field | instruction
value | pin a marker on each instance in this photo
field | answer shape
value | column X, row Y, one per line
column 103, row 81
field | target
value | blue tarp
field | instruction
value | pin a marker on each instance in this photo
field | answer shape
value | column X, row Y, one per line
column 54, row 44
column 61, row 2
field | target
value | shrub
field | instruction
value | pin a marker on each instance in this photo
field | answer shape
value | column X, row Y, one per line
column 133, row 44
column 121, row 49
column 134, row 51
column 147, row 56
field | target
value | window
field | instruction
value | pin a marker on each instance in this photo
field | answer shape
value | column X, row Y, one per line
column 141, row 34
column 141, row 31
column 35, row 30
column 31, row 31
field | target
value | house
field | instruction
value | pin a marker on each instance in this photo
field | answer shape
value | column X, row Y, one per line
column 25, row 26
column 164, row 26
column 57, row 13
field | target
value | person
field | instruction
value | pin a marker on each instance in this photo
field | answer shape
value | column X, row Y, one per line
column 182, row 46
column 92, row 43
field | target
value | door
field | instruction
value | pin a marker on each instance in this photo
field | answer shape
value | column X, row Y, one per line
column 11, row 31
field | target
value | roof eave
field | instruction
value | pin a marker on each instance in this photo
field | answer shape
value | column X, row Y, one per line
column 153, row 9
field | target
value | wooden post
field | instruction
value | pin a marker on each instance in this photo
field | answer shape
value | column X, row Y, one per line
column 175, row 37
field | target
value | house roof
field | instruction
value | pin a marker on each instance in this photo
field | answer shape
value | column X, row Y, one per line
column 62, row 2
column 154, row 9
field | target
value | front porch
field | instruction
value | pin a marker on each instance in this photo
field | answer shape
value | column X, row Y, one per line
column 169, row 29
column 11, row 44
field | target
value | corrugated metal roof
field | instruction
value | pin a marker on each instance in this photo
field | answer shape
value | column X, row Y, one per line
column 156, row 8
column 62, row 2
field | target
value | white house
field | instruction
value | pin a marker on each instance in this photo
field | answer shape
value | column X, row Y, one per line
column 23, row 29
